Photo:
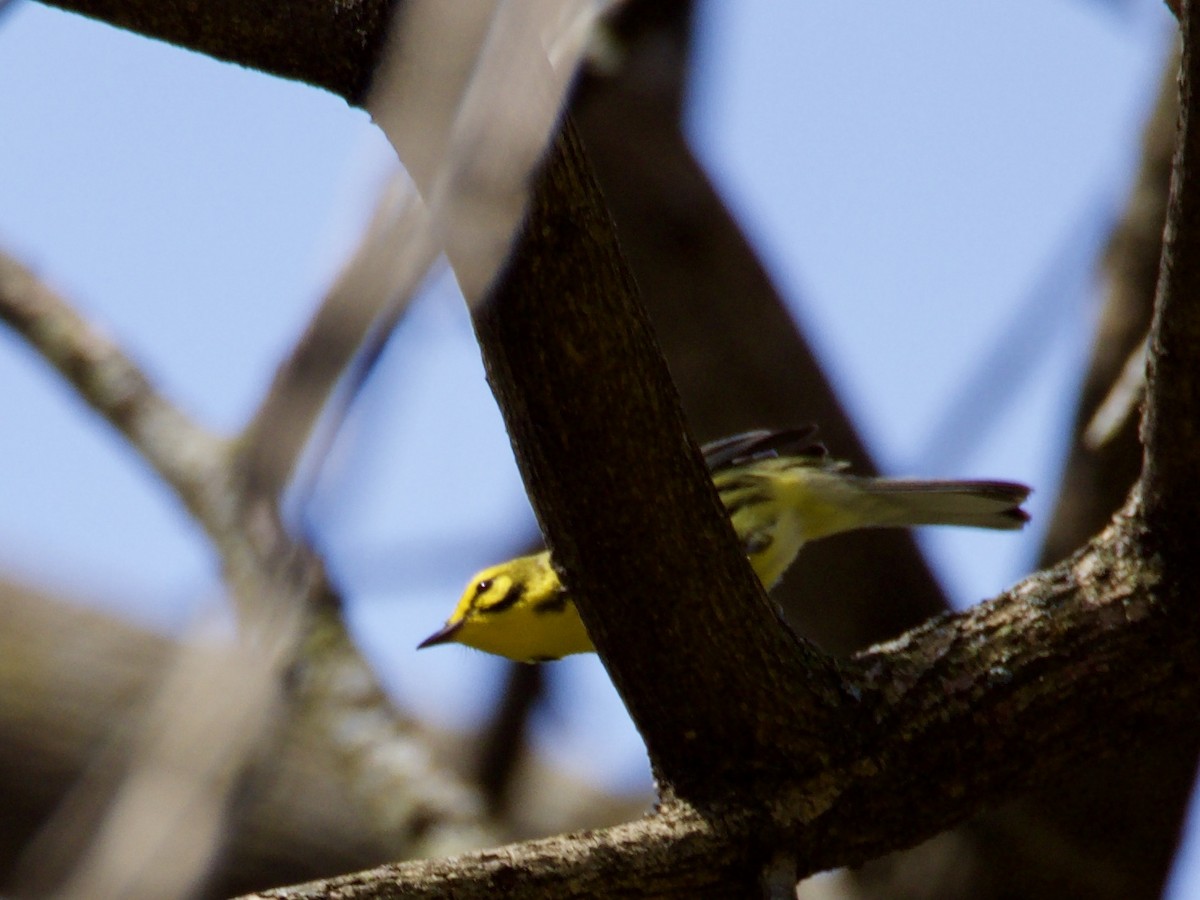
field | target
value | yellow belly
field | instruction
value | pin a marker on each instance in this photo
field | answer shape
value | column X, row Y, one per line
column 526, row 635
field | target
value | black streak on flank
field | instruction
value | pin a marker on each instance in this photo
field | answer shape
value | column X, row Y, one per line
column 746, row 482
column 508, row 601
column 555, row 603
column 733, row 507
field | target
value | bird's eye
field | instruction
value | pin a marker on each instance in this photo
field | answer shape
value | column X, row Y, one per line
column 483, row 587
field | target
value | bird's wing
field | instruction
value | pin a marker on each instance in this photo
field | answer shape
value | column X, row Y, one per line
column 749, row 446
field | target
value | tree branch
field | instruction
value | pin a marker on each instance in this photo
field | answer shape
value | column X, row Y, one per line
column 1171, row 426
column 672, row 854
column 357, row 314
column 183, row 453
column 1022, row 686
column 333, row 44
column 616, row 449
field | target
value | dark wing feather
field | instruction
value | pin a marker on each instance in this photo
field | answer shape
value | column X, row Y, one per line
column 748, row 446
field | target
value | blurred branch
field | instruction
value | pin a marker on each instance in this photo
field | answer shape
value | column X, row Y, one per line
column 283, row 599
column 1000, row 375
column 73, row 680
column 492, row 75
column 184, row 454
column 172, row 780
column 1096, row 480
column 503, row 741
column 441, row 92
column 362, row 307
column 1118, row 408
column 169, row 771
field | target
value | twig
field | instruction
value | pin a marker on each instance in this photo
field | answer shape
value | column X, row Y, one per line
column 503, row 741
column 1120, row 404
column 366, row 301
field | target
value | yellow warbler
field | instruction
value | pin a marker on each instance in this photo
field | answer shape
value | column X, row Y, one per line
column 780, row 491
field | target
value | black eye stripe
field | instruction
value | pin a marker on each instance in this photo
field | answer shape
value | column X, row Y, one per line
column 509, row 600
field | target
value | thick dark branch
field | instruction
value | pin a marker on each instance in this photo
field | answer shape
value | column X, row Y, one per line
column 1171, row 426
column 1004, row 696
column 594, row 418
column 1114, row 821
column 333, row 45
column 1076, row 662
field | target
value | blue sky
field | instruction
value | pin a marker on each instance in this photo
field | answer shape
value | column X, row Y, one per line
column 929, row 185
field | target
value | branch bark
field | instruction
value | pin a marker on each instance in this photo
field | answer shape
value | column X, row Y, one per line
column 615, row 450
column 333, row 44
column 1171, row 425
column 674, row 854
column 967, row 709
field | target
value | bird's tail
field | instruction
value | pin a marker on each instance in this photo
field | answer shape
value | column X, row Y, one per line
column 900, row 502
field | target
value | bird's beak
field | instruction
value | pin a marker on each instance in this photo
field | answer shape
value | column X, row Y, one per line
column 442, row 636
